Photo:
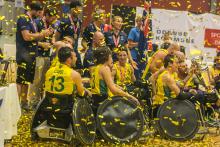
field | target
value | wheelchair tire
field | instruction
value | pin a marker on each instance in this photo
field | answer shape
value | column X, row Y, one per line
column 178, row 120
column 120, row 120
column 84, row 122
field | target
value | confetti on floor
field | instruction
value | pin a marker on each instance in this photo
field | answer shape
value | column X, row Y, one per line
column 23, row 139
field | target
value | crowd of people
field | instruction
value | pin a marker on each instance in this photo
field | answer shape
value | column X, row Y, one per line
column 48, row 57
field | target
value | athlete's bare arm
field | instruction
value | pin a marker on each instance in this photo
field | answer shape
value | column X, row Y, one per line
column 153, row 79
column 170, row 82
column 157, row 61
column 79, row 85
column 113, row 73
column 133, row 78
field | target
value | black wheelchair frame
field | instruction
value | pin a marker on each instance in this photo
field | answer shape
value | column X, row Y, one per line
column 197, row 117
column 72, row 124
column 113, row 127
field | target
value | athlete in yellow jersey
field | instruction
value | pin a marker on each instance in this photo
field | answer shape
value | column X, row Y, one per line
column 186, row 77
column 165, row 84
column 62, row 79
column 166, row 87
column 123, row 72
column 163, row 92
column 156, row 61
column 101, row 81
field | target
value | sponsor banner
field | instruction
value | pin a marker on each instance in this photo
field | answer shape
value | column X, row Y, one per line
column 212, row 38
column 200, row 34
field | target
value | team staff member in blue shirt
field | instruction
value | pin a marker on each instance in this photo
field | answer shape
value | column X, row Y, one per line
column 97, row 25
column 70, row 25
column 99, row 18
column 133, row 43
column 27, row 38
column 46, row 20
column 117, row 38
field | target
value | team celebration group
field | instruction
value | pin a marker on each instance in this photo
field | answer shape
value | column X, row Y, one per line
column 114, row 63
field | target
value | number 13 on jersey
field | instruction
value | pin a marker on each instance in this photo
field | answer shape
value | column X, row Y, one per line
column 57, row 84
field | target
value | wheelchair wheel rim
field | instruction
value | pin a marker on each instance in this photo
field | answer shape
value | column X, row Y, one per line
column 84, row 122
column 119, row 120
column 178, row 120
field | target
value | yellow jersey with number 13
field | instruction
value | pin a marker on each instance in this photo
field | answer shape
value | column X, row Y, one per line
column 59, row 80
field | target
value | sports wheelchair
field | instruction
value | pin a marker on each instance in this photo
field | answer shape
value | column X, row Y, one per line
column 118, row 119
column 121, row 121
column 65, row 118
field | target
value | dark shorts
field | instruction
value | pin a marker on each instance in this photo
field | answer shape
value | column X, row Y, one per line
column 25, row 72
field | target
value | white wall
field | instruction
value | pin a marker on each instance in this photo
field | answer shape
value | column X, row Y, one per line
column 7, row 39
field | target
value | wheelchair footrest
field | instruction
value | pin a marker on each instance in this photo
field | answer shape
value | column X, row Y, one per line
column 47, row 132
column 203, row 131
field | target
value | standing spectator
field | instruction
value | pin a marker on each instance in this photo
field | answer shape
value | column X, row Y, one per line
column 98, row 41
column 48, row 19
column 133, row 43
column 70, row 25
column 117, row 38
column 97, row 24
column 27, row 50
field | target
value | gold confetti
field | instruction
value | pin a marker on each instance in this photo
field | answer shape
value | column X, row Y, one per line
column 2, row 18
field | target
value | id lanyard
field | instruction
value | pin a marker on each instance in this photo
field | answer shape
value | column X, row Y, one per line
column 75, row 27
column 33, row 23
column 116, row 40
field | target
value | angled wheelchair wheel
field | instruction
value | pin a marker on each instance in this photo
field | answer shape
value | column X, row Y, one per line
column 119, row 120
column 178, row 120
column 38, row 118
column 84, row 122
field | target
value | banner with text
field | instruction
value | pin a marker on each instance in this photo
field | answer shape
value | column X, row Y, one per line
column 200, row 34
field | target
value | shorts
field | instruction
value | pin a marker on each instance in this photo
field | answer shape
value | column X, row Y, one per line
column 25, row 72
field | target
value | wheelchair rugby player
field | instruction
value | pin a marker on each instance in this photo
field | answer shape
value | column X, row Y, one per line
column 178, row 117
column 64, row 113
